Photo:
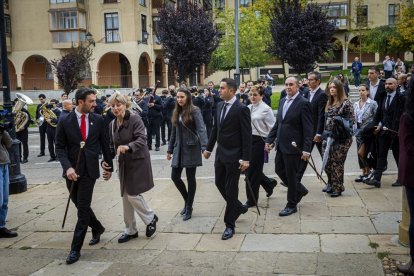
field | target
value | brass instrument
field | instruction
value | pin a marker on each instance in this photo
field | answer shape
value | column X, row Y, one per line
column 106, row 109
column 46, row 114
column 21, row 118
column 135, row 107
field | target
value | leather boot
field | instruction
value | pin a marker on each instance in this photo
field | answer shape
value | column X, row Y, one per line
column 407, row 269
column 182, row 212
column 188, row 212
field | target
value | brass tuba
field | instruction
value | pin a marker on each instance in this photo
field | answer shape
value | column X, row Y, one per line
column 21, row 118
column 47, row 114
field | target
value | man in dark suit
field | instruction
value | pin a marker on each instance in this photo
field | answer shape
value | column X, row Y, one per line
column 233, row 133
column 375, row 85
column 293, row 124
column 83, row 125
column 154, row 119
column 387, row 116
column 317, row 98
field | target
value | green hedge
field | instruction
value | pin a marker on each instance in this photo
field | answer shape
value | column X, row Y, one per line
column 275, row 100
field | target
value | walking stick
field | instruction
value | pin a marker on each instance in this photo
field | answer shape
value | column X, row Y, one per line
column 310, row 164
column 247, row 180
column 390, row 130
column 82, row 144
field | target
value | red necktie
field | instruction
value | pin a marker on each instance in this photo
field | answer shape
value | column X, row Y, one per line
column 83, row 127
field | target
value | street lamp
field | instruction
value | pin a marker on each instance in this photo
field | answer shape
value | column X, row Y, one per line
column 145, row 36
column 89, row 38
column 18, row 182
column 236, row 19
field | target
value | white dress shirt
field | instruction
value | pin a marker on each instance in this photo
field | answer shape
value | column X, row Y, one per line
column 229, row 104
column 79, row 116
column 288, row 102
column 262, row 118
column 373, row 89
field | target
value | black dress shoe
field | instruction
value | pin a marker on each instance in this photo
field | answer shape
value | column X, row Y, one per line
column 248, row 205
column 188, row 213
column 51, row 159
column 183, row 211
column 228, row 233
column 396, row 184
column 157, row 148
column 287, row 211
column 41, row 154
column 361, row 178
column 6, row 233
column 327, row 189
column 406, row 269
column 97, row 237
column 24, row 161
column 373, row 182
column 73, row 257
column 125, row 237
column 273, row 185
column 336, row 194
column 152, row 227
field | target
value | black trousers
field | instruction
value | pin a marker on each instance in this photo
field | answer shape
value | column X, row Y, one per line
column 51, row 133
column 255, row 171
column 82, row 197
column 189, row 195
column 23, row 136
column 153, row 127
column 166, row 122
column 287, row 168
column 303, row 165
column 42, row 132
column 227, row 181
column 386, row 141
column 388, row 74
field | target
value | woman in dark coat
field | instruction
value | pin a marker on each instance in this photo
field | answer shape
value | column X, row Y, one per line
column 188, row 140
column 128, row 143
column 406, row 167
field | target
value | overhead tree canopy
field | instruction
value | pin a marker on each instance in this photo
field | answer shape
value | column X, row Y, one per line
column 301, row 34
column 379, row 40
column 188, row 36
column 72, row 67
column 254, row 37
column 405, row 29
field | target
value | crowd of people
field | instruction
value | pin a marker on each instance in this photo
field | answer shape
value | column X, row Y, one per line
column 238, row 121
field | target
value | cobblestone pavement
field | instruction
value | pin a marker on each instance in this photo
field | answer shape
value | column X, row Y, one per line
column 328, row 236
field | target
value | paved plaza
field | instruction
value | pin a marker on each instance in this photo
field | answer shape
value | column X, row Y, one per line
column 328, row 236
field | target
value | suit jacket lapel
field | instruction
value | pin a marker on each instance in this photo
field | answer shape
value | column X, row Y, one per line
column 292, row 105
column 232, row 108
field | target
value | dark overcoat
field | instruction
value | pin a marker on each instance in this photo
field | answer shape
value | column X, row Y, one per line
column 406, row 159
column 187, row 142
column 134, row 166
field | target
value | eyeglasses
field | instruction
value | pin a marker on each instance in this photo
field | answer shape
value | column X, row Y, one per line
column 253, row 94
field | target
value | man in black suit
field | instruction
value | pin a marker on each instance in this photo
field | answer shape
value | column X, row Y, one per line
column 42, row 127
column 387, row 116
column 233, row 133
column 376, row 86
column 83, row 125
column 317, row 98
column 154, row 119
column 293, row 124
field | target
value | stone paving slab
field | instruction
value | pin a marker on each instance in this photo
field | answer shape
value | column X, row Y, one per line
column 350, row 225
column 296, row 263
column 349, row 264
column 281, row 243
column 213, row 242
column 388, row 243
column 339, row 243
column 79, row 268
column 383, row 222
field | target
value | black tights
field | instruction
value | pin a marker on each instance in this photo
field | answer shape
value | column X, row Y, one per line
column 179, row 183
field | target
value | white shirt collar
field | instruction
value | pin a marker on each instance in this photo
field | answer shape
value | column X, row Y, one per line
column 79, row 115
column 231, row 101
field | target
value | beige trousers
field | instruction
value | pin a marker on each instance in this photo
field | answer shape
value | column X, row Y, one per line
column 135, row 203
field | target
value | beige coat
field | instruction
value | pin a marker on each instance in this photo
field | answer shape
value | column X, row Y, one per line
column 135, row 172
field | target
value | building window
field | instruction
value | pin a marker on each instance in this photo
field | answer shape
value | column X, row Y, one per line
column 110, row 1
column 64, row 20
column 144, row 33
column 66, row 1
column 393, row 11
column 111, row 27
column 8, row 24
column 142, row 3
column 155, row 20
column 220, row 4
column 362, row 16
column 181, row 3
column 338, row 14
column 246, row 3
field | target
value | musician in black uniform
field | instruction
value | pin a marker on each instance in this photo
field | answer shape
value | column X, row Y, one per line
column 51, row 124
column 154, row 119
column 42, row 127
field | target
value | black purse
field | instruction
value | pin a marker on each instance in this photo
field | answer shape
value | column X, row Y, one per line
column 342, row 128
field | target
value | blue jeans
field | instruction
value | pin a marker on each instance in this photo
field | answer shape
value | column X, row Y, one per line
column 4, row 193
